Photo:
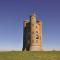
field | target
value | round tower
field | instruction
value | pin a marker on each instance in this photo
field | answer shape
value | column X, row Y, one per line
column 24, row 34
column 33, row 32
column 39, row 35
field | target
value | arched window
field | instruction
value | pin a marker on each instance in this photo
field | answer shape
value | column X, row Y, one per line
column 36, row 41
column 37, row 37
column 36, row 31
column 32, row 32
column 36, row 27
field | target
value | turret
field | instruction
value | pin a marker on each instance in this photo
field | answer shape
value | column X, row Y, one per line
column 24, row 34
column 39, row 34
column 33, row 31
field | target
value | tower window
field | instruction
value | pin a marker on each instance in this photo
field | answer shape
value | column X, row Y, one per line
column 36, row 31
column 37, row 37
column 36, row 26
column 36, row 41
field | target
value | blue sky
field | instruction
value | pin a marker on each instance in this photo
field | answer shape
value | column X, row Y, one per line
column 13, row 13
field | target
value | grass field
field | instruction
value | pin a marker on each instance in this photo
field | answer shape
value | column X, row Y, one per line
column 53, row 55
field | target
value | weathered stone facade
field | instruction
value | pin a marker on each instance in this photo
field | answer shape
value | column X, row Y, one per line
column 32, row 34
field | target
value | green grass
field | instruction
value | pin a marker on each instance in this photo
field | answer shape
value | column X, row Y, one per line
column 53, row 55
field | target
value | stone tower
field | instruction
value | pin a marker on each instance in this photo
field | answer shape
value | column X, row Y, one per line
column 32, row 34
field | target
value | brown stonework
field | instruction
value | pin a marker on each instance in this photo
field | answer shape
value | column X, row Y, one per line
column 32, row 35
